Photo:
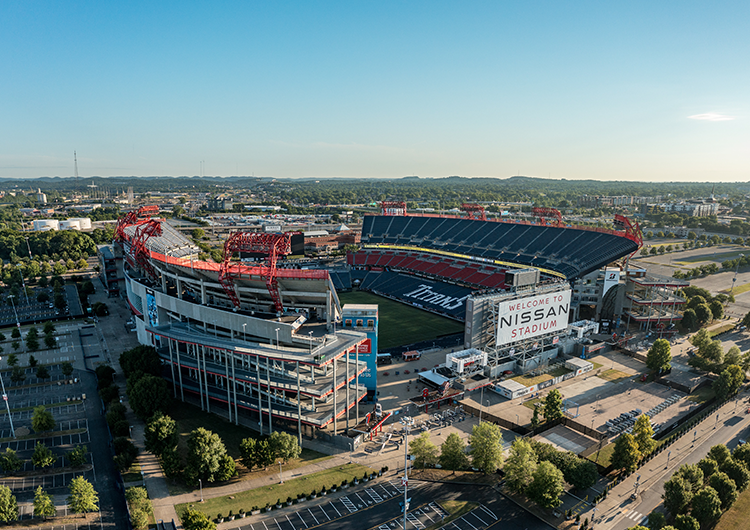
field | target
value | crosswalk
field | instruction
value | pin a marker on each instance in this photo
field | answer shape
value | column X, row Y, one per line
column 638, row 517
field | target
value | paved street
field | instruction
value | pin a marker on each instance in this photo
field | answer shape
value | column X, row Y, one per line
column 618, row 511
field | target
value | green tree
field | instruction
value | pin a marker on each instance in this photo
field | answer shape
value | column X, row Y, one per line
column 140, row 506
column 553, row 405
column 486, row 447
column 82, row 497
column 248, row 452
column 8, row 505
column 140, row 359
column 43, row 456
column 678, row 493
column 453, row 453
column 9, row 461
column 547, row 486
column 644, row 434
column 703, row 313
column 12, row 359
column 626, row 454
column 67, row 369
column 729, row 382
column 535, row 418
column 160, row 434
column 42, row 419
column 520, row 466
column 717, row 310
column 737, row 472
column 16, row 346
column 686, row 522
column 693, row 474
column 581, row 474
column 43, row 505
column 720, row 454
column 49, row 328
column 206, row 454
column 659, row 357
column 706, row 506
column 725, row 487
column 741, row 453
column 195, row 520
column 746, row 320
column 18, row 374
column 425, row 452
column 15, row 333
column 708, row 466
column 42, row 372
column 656, row 520
column 149, row 395
column 50, row 342
column 77, row 457
column 284, row 445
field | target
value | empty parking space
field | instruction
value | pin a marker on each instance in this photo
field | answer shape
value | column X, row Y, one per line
column 47, row 482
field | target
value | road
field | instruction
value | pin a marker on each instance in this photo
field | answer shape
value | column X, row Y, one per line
column 622, row 512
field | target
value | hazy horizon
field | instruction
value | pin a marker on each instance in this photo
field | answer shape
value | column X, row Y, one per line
column 636, row 92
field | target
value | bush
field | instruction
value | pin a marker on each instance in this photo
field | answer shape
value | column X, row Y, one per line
column 109, row 394
column 121, row 428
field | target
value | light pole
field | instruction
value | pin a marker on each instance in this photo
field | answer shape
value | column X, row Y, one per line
column 737, row 268
column 717, row 420
column 517, row 422
column 7, row 405
column 244, row 333
column 281, row 477
column 481, row 401
column 351, row 451
column 669, row 455
column 406, row 477
column 637, row 483
column 311, row 334
column 200, row 484
column 277, row 338
column 18, row 324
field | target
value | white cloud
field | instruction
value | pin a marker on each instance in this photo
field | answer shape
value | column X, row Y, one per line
column 711, row 116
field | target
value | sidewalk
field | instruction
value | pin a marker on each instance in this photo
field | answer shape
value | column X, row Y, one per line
column 662, row 465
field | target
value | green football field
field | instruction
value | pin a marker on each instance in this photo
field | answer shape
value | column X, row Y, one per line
column 402, row 324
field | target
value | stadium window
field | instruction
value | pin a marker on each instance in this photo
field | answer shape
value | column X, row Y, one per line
column 348, row 322
column 370, row 323
column 359, row 322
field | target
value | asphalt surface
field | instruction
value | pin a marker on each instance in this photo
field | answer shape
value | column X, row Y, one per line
column 729, row 428
column 495, row 511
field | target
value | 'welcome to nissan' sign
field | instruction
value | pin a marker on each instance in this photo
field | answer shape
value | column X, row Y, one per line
column 525, row 318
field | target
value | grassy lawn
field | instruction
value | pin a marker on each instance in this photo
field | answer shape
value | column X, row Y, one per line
column 710, row 257
column 736, row 517
column 536, row 379
column 739, row 290
column 721, row 329
column 270, row 494
column 605, row 455
column 614, row 376
column 456, row 509
column 531, row 403
column 443, row 475
column 596, row 365
column 133, row 474
column 400, row 323
column 190, row 417
column 702, row 394
column 51, row 405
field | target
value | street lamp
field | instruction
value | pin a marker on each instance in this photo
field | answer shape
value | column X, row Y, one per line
column 351, row 451
column 244, row 333
column 311, row 334
column 200, row 484
column 7, row 405
column 737, row 268
column 277, row 338
column 669, row 455
column 281, row 478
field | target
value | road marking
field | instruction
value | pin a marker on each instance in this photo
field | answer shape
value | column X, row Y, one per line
column 373, row 494
column 467, row 522
column 334, row 507
column 475, row 515
column 277, row 523
column 348, row 504
column 324, row 512
column 290, row 522
column 488, row 511
column 364, row 502
column 301, row 519
column 313, row 516
column 414, row 521
column 264, row 524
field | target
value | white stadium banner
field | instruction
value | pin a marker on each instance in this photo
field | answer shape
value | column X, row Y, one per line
column 611, row 278
column 529, row 317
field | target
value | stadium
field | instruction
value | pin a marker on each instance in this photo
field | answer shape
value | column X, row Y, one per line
column 252, row 341
column 260, row 342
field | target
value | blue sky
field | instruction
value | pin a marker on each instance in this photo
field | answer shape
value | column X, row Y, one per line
column 654, row 91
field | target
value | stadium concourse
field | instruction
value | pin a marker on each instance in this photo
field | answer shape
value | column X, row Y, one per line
column 437, row 262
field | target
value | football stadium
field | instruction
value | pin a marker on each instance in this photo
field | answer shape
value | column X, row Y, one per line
column 275, row 344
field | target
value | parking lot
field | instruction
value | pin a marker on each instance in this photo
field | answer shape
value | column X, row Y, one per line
column 47, row 482
column 28, row 444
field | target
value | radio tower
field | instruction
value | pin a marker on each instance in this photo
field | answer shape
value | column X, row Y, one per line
column 75, row 162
